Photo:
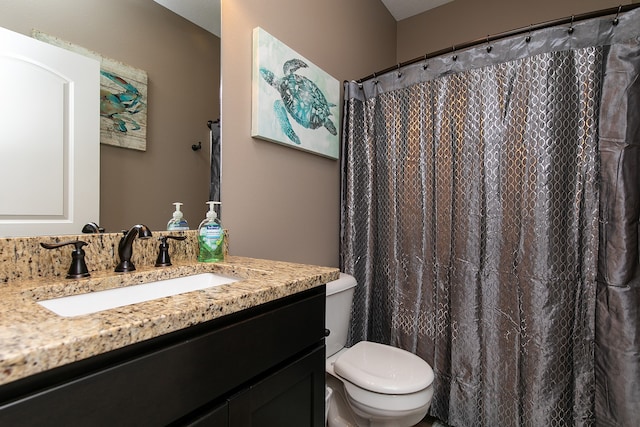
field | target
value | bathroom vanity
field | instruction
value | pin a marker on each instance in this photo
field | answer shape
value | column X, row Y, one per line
column 243, row 354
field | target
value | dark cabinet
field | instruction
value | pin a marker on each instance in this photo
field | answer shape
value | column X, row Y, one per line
column 293, row 396
column 261, row 367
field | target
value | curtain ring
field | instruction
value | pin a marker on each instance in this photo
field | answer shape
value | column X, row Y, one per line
column 489, row 47
column 570, row 30
column 375, row 82
column 426, row 64
column 616, row 21
column 453, row 49
column 528, row 38
column 399, row 72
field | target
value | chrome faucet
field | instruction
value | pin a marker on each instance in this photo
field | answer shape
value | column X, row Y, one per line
column 125, row 247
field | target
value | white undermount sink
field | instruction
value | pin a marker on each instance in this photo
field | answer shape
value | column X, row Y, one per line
column 94, row 302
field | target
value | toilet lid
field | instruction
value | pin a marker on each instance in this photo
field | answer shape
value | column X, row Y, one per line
column 383, row 369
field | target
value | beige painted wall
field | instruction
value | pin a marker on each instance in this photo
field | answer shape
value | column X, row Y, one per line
column 280, row 203
column 465, row 20
column 182, row 63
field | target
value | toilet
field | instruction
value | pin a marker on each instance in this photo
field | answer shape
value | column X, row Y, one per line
column 370, row 384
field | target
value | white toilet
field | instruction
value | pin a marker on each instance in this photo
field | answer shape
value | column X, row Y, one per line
column 370, row 384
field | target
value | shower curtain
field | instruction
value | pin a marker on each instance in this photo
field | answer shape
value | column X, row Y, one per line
column 490, row 206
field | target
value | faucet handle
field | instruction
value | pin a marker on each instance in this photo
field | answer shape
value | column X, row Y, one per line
column 92, row 227
column 163, row 259
column 78, row 267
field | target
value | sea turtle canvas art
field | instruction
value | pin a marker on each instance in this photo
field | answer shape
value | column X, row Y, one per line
column 294, row 102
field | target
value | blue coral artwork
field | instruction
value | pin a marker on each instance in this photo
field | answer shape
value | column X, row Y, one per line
column 123, row 106
column 294, row 102
column 123, row 97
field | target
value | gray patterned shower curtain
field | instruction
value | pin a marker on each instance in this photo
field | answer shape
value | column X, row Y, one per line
column 490, row 207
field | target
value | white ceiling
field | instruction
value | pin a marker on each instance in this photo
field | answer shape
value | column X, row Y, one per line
column 403, row 9
column 206, row 13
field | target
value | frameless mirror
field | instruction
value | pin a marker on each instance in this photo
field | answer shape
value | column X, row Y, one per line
column 133, row 194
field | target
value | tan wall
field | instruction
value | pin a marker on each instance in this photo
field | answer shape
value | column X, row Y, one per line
column 465, row 20
column 280, row 203
column 182, row 63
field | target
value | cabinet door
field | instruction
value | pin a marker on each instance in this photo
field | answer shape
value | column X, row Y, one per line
column 291, row 397
column 217, row 417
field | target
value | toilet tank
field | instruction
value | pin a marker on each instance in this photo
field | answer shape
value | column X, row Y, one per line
column 338, row 312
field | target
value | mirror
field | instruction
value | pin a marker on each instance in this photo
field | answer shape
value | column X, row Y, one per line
column 182, row 62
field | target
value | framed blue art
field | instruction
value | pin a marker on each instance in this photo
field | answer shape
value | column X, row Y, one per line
column 294, row 102
column 123, row 97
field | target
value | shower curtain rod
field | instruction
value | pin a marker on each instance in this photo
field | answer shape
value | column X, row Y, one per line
column 490, row 38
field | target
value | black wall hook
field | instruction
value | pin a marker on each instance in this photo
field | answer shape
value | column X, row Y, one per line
column 195, row 147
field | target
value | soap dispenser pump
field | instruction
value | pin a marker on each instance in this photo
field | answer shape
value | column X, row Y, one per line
column 211, row 237
column 177, row 223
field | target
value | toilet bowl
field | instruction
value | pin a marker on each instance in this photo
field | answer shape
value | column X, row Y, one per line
column 372, row 384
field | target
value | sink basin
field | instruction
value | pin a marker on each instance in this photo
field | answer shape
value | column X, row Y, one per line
column 94, row 302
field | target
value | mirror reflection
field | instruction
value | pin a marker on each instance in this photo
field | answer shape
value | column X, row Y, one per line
column 182, row 62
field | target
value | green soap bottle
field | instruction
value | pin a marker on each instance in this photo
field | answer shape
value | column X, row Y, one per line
column 211, row 237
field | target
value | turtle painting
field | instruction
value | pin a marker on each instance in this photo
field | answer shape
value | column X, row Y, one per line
column 300, row 98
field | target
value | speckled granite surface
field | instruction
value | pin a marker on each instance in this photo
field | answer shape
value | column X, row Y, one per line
column 33, row 339
column 22, row 258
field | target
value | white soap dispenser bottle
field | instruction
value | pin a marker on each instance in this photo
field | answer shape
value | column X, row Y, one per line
column 211, row 237
column 177, row 223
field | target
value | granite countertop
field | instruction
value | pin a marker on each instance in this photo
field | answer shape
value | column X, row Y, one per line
column 34, row 339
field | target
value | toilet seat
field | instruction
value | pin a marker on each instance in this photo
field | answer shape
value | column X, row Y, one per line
column 383, row 369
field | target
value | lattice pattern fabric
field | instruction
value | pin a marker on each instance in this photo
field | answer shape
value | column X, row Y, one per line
column 484, row 250
column 490, row 210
